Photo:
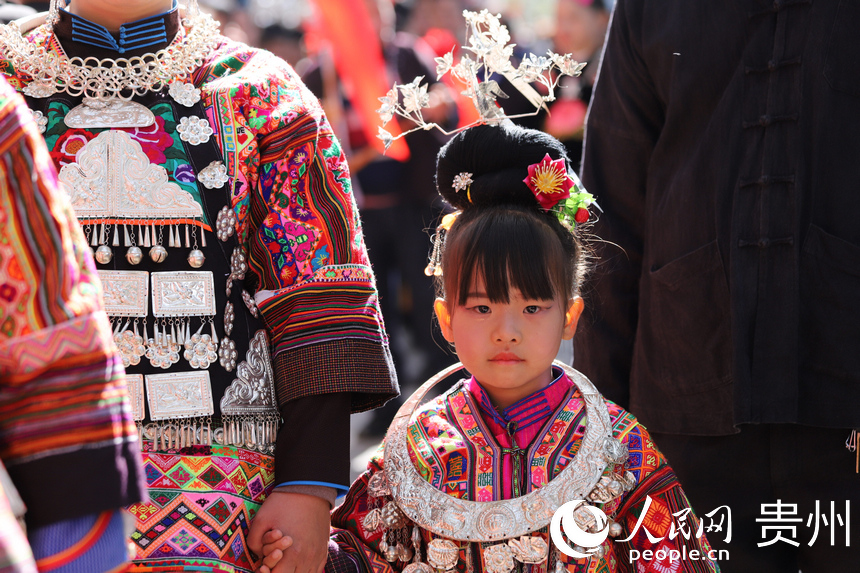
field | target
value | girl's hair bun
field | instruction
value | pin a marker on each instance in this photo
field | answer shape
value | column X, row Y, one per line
column 498, row 158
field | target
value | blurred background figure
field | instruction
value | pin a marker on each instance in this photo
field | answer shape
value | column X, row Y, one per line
column 12, row 10
column 580, row 30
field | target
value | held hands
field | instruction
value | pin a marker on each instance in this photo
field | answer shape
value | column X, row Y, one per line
column 305, row 520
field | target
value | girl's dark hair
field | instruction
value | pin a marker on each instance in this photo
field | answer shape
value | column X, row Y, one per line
column 503, row 234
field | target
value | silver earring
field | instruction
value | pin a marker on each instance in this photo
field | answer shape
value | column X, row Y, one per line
column 192, row 9
column 54, row 12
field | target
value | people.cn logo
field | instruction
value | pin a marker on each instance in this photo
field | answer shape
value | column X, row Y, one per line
column 563, row 519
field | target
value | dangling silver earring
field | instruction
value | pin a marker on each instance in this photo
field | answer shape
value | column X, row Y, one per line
column 192, row 9
column 54, row 12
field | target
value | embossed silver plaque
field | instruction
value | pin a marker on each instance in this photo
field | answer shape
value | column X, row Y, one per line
column 112, row 177
column 179, row 395
column 253, row 391
column 135, row 395
column 126, row 293
column 183, row 293
column 112, row 113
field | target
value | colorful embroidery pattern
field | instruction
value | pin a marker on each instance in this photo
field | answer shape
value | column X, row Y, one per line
column 202, row 500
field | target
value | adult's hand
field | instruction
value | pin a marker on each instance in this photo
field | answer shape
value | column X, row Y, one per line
column 305, row 520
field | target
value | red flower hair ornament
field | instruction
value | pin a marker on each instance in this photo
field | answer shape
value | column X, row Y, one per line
column 557, row 190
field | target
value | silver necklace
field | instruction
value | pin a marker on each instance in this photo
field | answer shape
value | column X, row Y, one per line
column 463, row 520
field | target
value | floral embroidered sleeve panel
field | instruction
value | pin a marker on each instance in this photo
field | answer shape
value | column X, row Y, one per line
column 63, row 404
column 298, row 220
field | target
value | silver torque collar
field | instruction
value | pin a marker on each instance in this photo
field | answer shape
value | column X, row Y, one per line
column 462, row 520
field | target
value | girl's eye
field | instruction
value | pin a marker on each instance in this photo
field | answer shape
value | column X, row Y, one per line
column 532, row 309
column 482, row 309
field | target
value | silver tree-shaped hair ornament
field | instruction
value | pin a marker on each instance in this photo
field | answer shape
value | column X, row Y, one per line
column 491, row 55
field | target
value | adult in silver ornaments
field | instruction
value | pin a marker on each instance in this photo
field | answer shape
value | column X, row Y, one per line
column 164, row 134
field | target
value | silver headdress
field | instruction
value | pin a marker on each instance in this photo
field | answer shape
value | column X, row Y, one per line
column 489, row 46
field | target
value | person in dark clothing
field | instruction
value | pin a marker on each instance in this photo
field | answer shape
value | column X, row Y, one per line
column 721, row 145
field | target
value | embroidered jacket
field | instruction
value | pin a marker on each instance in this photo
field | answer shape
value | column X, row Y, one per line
column 462, row 446
column 63, row 404
column 298, row 282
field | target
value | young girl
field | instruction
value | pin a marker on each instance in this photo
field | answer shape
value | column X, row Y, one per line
column 471, row 481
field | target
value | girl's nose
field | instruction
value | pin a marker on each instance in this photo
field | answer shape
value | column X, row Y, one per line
column 507, row 330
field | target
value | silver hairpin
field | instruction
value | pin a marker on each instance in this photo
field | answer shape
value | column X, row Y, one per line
column 489, row 45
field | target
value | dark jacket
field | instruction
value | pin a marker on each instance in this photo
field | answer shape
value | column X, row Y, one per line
column 723, row 144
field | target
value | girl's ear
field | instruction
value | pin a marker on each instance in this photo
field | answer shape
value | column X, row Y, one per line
column 571, row 317
column 441, row 308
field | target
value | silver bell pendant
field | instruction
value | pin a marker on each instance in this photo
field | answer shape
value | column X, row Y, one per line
column 196, row 258
column 157, row 254
column 134, row 255
column 104, row 254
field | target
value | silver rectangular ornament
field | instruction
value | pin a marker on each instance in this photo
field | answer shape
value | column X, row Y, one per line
column 126, row 293
column 183, row 293
column 179, row 395
column 135, row 395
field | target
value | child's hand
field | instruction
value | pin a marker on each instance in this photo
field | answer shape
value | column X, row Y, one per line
column 274, row 545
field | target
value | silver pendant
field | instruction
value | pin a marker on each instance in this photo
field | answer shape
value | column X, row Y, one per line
column 372, row 520
column 498, row 559
column 134, row 255
column 200, row 351
column 442, row 554
column 225, row 225
column 104, row 254
column 418, row 568
column 40, row 89
column 94, row 113
column 392, row 517
column 529, row 549
column 130, row 345
column 157, row 254
column 196, row 258
column 178, row 395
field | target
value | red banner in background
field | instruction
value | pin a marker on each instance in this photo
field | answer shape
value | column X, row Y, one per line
column 347, row 27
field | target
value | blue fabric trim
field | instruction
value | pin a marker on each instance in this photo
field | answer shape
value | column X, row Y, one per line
column 341, row 489
column 107, row 553
column 142, row 33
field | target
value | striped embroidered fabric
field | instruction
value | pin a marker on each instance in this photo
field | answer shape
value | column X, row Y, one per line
column 62, row 386
column 337, row 303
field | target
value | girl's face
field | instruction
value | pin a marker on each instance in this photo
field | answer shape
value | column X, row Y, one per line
column 508, row 347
